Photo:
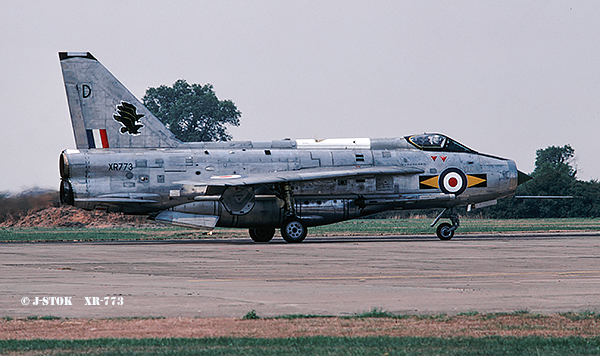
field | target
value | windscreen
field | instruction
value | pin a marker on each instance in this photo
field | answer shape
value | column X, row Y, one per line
column 437, row 142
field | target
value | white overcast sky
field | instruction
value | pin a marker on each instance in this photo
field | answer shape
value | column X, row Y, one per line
column 502, row 77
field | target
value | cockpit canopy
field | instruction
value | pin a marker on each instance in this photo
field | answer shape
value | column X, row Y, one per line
column 437, row 142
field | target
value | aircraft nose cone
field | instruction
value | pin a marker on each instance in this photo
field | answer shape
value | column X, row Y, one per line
column 523, row 177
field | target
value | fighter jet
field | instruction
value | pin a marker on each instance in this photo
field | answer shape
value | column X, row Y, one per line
column 127, row 161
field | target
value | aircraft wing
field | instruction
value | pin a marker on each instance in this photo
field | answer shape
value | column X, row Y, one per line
column 299, row 175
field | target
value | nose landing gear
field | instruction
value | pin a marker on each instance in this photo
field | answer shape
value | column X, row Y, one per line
column 445, row 231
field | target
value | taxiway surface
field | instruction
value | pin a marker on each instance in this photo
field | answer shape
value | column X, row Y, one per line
column 543, row 273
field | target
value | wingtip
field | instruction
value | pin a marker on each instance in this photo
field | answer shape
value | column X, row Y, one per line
column 68, row 55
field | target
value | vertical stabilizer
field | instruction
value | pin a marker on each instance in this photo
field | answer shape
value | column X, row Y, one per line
column 104, row 113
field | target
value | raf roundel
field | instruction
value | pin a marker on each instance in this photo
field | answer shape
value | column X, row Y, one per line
column 453, row 181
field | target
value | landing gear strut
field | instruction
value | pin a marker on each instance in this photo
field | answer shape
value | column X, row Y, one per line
column 445, row 231
column 293, row 229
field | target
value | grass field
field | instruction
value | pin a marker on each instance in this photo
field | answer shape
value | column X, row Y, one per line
column 360, row 227
column 309, row 346
column 319, row 345
column 421, row 226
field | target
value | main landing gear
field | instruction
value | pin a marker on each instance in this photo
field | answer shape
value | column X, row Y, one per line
column 293, row 230
column 262, row 234
column 445, row 231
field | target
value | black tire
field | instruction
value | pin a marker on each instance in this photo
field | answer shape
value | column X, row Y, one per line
column 444, row 232
column 262, row 234
column 293, row 230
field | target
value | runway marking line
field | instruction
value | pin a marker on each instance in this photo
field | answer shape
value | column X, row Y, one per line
column 365, row 278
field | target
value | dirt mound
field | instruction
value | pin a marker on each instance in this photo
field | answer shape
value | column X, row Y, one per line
column 68, row 216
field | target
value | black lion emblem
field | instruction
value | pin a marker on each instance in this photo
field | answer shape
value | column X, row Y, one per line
column 128, row 116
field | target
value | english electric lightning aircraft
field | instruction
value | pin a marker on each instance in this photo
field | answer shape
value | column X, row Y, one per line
column 127, row 161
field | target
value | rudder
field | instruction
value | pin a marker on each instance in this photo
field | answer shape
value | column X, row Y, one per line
column 104, row 113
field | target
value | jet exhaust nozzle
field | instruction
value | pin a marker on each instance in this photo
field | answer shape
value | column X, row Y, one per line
column 66, row 193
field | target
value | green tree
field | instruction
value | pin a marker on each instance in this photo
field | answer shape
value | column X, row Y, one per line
column 587, row 199
column 555, row 160
column 192, row 112
column 554, row 174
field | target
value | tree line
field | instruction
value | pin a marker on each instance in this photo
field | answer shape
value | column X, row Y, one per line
column 194, row 113
column 554, row 175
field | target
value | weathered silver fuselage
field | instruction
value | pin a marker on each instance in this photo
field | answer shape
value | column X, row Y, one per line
column 148, row 181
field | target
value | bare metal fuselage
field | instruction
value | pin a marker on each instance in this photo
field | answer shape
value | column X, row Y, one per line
column 128, row 161
column 148, row 181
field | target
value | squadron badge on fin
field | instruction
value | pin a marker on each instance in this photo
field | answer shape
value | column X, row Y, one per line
column 128, row 116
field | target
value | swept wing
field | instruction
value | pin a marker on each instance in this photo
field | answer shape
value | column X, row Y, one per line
column 299, row 175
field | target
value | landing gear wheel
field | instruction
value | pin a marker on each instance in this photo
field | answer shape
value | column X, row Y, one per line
column 445, row 231
column 262, row 234
column 293, row 230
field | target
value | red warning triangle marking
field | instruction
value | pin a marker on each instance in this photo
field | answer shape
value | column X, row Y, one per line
column 434, row 158
column 444, row 158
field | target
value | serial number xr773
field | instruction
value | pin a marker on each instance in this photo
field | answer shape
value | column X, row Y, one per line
column 123, row 166
column 104, row 301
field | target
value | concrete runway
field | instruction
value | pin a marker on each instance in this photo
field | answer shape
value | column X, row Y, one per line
column 543, row 273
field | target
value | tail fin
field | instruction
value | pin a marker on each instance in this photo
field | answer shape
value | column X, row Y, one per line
column 103, row 112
